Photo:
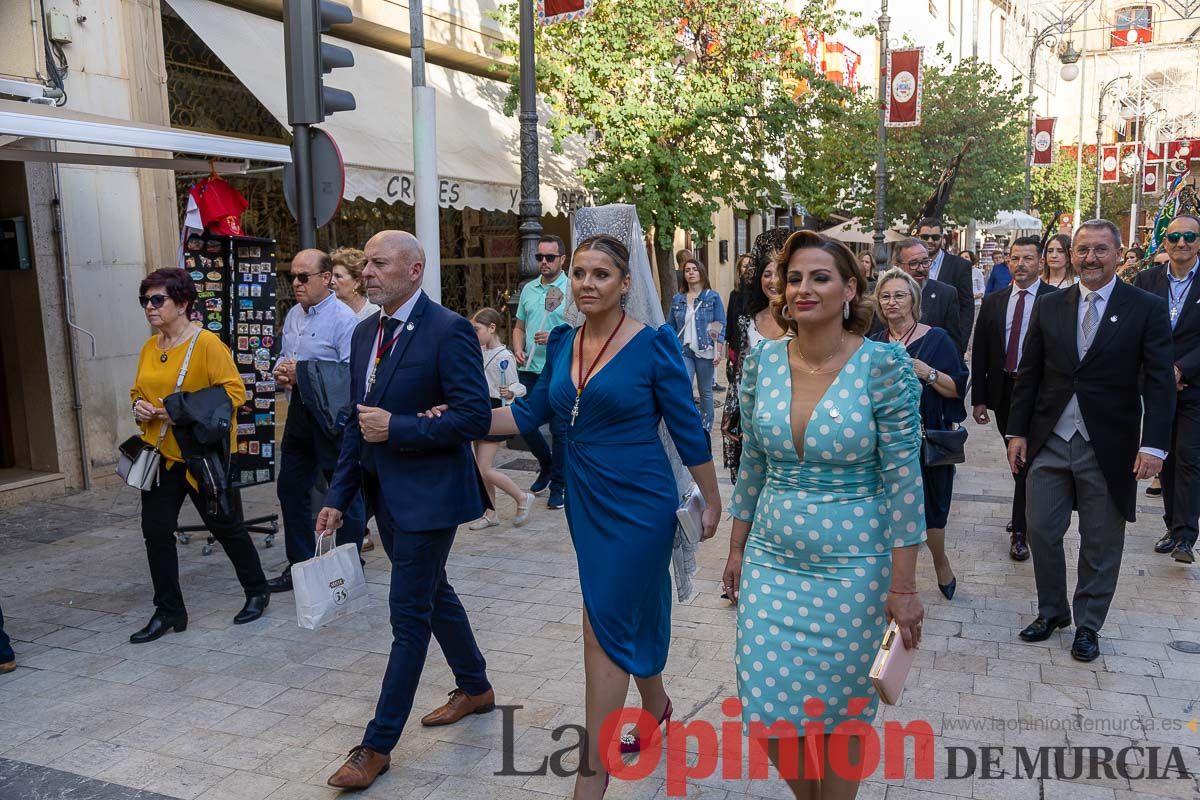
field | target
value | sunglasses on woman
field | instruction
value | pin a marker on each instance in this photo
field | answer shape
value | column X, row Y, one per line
column 1188, row 236
column 155, row 300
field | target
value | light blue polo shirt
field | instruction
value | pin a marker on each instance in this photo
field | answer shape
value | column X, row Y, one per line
column 531, row 310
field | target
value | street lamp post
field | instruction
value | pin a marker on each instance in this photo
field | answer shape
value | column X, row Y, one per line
column 1105, row 91
column 1048, row 36
column 881, row 156
column 531, row 204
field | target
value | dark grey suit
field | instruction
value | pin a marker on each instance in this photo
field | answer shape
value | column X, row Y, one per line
column 940, row 309
column 1181, row 470
column 956, row 271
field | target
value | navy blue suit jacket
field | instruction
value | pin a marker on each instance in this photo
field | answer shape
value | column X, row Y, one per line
column 426, row 473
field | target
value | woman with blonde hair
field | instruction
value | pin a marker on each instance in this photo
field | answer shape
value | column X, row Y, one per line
column 938, row 366
column 615, row 380
column 348, row 263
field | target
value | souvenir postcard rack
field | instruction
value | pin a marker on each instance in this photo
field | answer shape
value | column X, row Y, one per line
column 235, row 282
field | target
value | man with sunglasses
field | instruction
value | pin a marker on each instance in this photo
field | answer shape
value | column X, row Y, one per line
column 1175, row 281
column 318, row 328
column 542, row 308
column 953, row 270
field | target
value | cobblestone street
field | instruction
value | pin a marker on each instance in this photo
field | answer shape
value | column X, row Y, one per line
column 268, row 710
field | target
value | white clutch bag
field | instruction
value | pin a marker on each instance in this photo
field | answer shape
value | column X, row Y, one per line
column 891, row 667
column 691, row 514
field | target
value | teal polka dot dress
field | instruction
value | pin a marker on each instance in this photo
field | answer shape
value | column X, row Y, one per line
column 817, row 563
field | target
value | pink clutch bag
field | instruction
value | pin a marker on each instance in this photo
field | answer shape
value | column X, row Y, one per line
column 892, row 663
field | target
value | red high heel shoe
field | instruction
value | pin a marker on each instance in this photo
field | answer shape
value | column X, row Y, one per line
column 632, row 743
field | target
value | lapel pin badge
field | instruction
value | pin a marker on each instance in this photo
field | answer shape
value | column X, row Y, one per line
column 410, row 326
column 1113, row 318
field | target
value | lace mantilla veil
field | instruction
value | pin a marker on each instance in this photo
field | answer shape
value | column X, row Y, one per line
column 621, row 222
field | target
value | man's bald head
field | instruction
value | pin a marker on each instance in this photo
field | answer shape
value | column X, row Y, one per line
column 400, row 244
column 395, row 266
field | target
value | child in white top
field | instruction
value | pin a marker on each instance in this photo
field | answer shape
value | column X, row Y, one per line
column 500, row 367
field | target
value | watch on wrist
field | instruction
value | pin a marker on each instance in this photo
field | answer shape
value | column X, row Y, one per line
column 933, row 376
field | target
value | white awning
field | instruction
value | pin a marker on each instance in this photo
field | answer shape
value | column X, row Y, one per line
column 478, row 145
column 33, row 121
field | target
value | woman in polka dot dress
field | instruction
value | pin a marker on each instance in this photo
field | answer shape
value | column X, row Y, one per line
column 828, row 510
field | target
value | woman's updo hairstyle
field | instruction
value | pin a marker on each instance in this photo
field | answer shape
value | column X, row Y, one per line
column 861, row 310
column 611, row 247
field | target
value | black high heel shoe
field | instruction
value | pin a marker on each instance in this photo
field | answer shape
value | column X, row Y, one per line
column 947, row 589
column 255, row 605
column 159, row 626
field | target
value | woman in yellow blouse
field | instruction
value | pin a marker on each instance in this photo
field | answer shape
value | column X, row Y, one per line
column 168, row 296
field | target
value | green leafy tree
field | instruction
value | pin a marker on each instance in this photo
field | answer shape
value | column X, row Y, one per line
column 959, row 101
column 686, row 104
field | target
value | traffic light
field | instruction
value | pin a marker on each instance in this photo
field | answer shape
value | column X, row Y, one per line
column 307, row 60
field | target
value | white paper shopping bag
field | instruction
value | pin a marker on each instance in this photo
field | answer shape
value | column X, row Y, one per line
column 329, row 586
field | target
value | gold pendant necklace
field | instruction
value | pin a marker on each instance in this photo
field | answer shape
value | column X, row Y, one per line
column 817, row 370
column 162, row 356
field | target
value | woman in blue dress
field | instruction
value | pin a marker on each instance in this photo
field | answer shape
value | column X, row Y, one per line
column 827, row 513
column 941, row 369
column 613, row 380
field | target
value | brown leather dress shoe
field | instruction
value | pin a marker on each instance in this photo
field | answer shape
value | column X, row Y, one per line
column 8, row 666
column 361, row 769
column 1017, row 549
column 458, row 706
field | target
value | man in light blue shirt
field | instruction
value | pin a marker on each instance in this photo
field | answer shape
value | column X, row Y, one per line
column 541, row 309
column 318, row 328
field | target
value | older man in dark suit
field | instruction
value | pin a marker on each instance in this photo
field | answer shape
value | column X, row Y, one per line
column 939, row 301
column 1176, row 283
column 419, row 478
column 1000, row 332
column 954, row 270
column 1078, row 411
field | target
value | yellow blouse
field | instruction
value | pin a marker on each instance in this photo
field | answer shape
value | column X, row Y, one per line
column 211, row 365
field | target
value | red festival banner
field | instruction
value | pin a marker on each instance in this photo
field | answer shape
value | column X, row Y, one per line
column 1110, row 165
column 1182, row 148
column 1150, row 183
column 1155, row 153
column 904, row 84
column 1043, row 141
column 551, row 11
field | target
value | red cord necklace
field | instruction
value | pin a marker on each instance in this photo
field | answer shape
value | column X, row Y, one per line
column 381, row 349
column 584, row 376
column 906, row 338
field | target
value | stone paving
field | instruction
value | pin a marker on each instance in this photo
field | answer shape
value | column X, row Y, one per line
column 268, row 710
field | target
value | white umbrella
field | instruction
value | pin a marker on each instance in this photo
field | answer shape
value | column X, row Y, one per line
column 1008, row 221
column 854, row 232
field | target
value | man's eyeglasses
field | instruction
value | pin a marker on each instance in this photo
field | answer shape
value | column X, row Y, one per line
column 930, row 237
column 1081, row 253
column 155, row 300
column 1188, row 236
column 924, row 262
column 545, row 257
column 302, row 276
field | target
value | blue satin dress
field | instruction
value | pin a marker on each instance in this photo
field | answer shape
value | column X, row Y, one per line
column 621, row 494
